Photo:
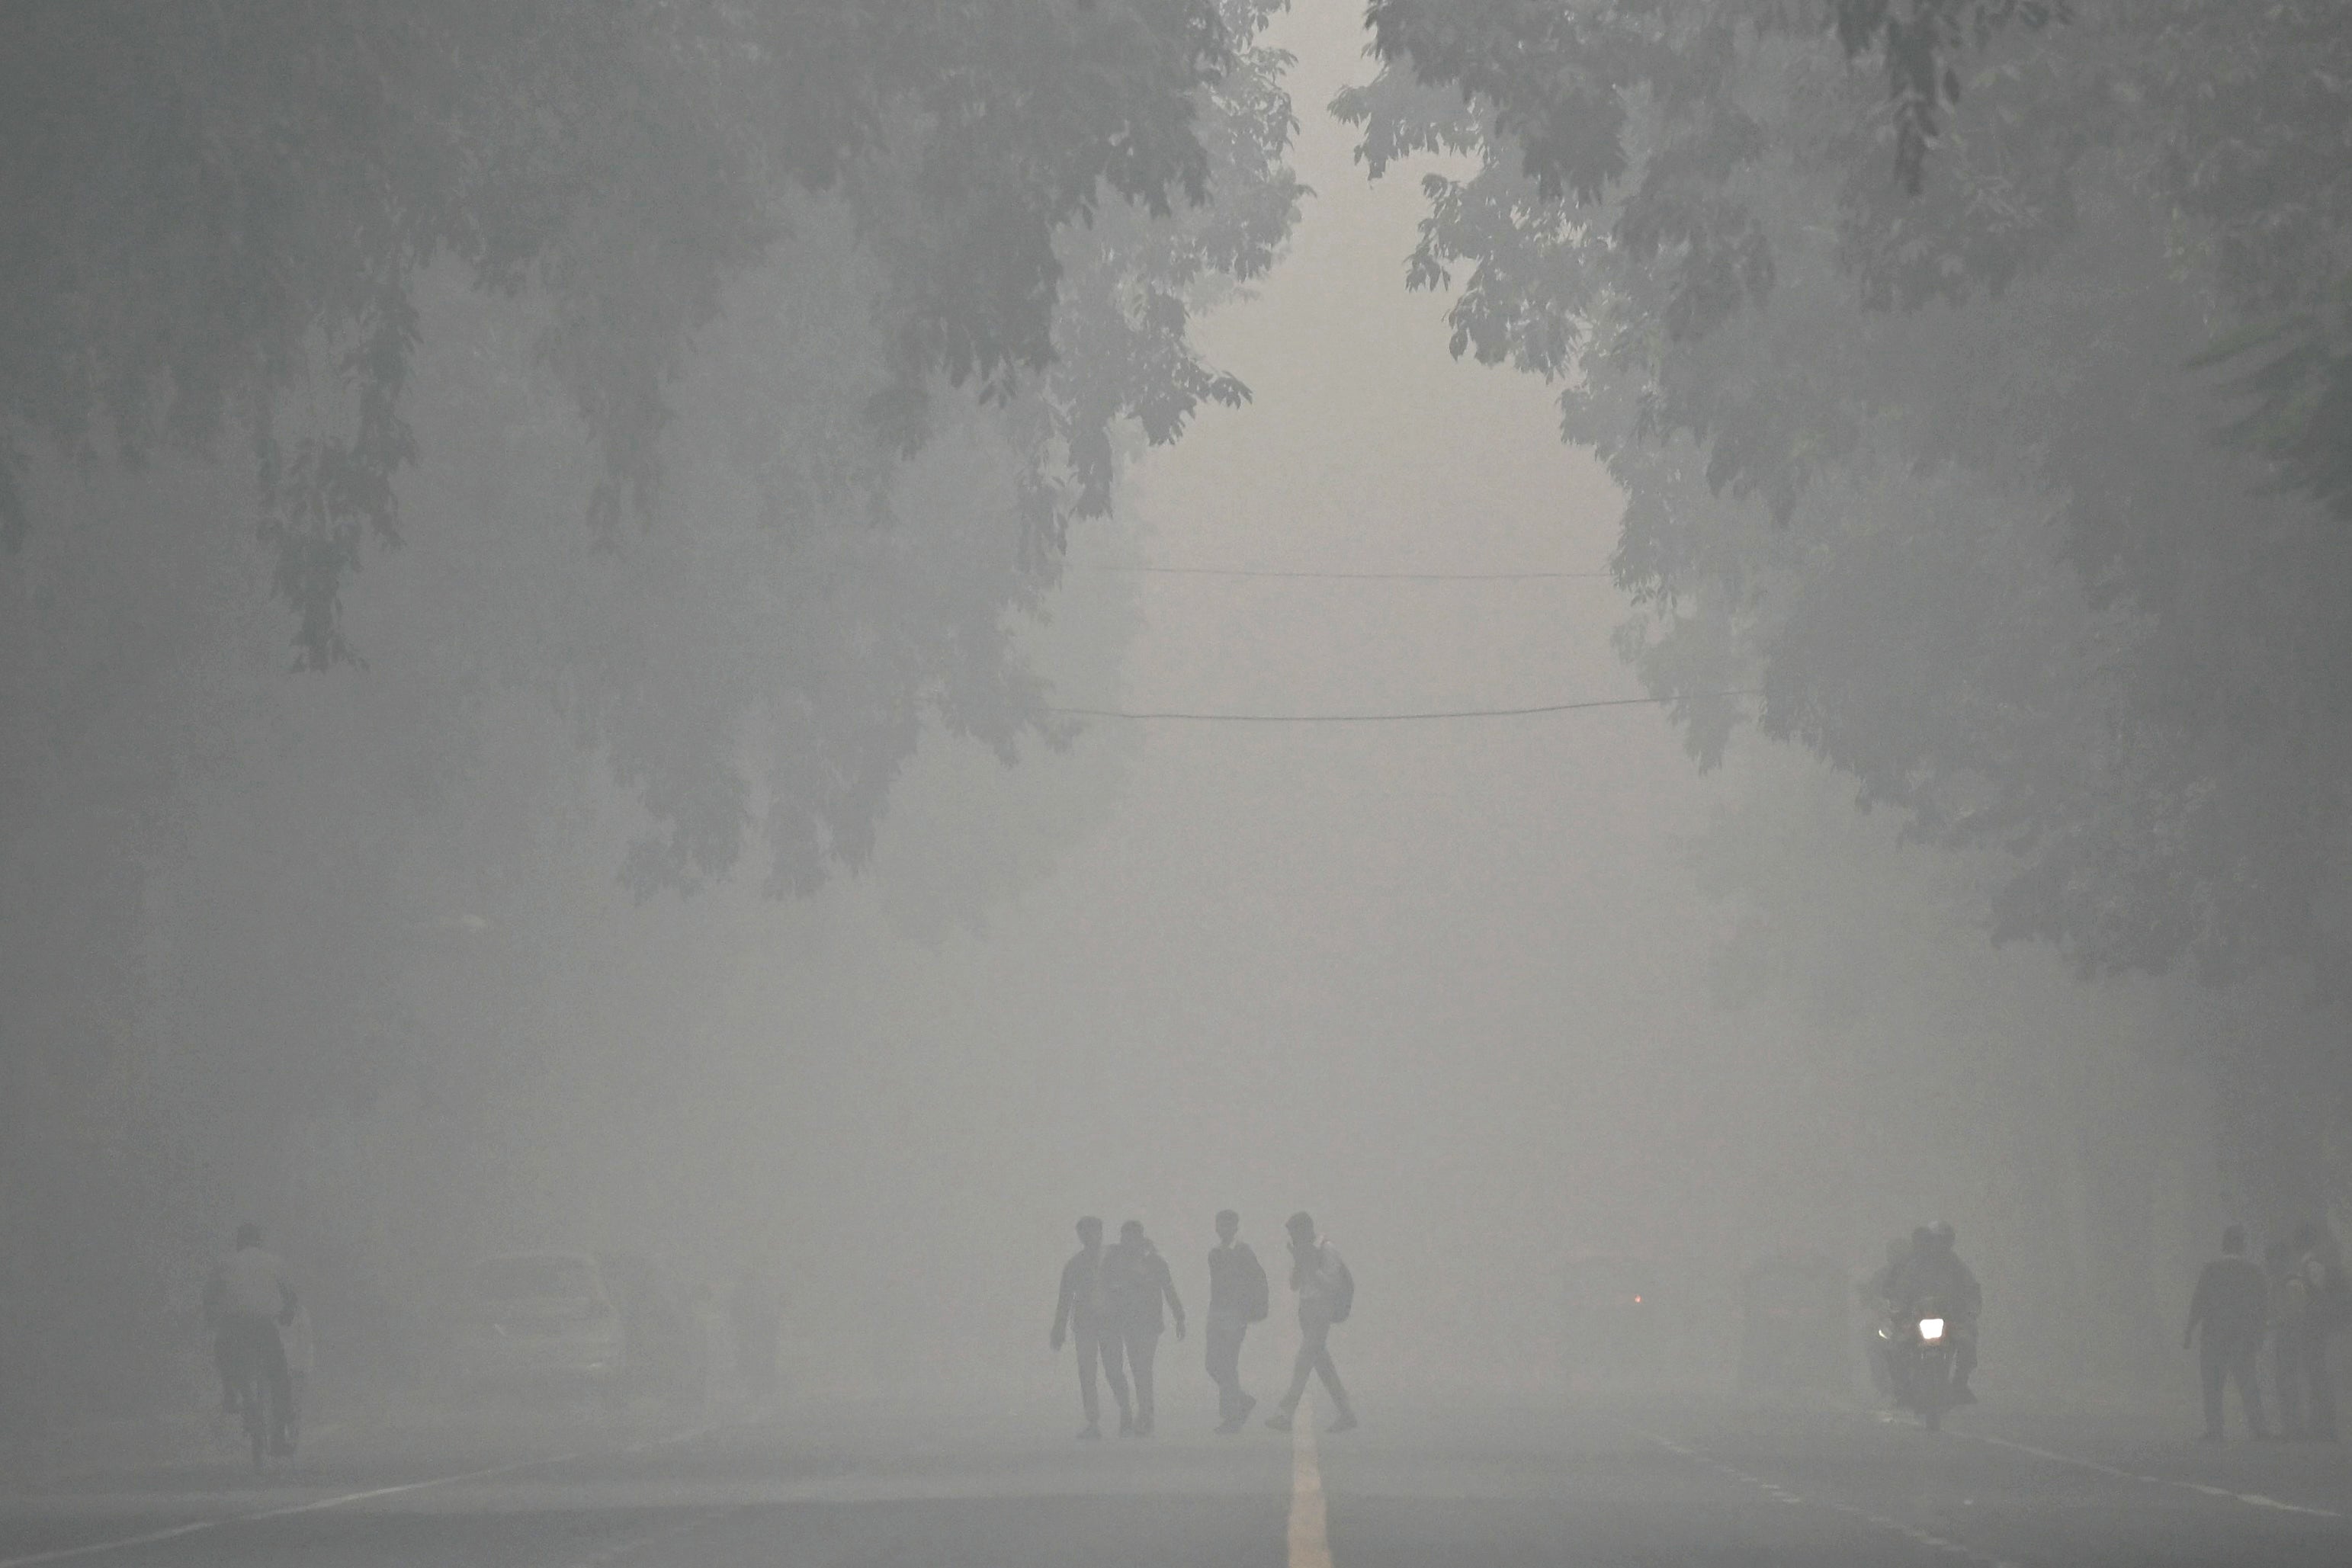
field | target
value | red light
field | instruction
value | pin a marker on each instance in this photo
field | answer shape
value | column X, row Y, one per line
column 1637, row 1301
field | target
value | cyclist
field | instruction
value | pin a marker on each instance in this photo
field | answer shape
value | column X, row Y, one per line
column 247, row 1301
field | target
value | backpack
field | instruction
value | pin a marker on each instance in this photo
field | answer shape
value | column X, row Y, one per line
column 1343, row 1299
column 1256, row 1301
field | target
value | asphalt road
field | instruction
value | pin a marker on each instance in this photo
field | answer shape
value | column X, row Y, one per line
column 1648, row 1482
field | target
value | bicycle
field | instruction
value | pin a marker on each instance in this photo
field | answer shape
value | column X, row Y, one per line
column 265, row 1434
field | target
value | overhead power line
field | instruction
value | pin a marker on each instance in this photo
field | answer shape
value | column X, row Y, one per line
column 1334, row 575
column 1390, row 718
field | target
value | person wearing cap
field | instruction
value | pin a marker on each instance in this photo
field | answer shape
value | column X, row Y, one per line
column 1321, row 1280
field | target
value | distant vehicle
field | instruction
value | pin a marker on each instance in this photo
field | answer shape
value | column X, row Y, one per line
column 541, row 1323
column 1919, row 1362
column 1613, row 1321
column 608, row 1323
column 1794, row 1326
column 665, row 1331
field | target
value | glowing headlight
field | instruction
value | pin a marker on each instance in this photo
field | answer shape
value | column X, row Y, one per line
column 1931, row 1329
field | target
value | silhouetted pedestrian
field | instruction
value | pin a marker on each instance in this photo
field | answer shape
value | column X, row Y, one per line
column 2306, row 1302
column 1084, row 1310
column 1135, row 1282
column 1326, row 1296
column 1237, row 1298
column 2231, row 1305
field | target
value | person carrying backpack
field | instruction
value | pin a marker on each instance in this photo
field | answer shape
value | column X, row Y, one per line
column 1237, row 1298
column 1327, row 1295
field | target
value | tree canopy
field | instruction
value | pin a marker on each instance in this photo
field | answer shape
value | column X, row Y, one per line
column 1984, row 413
column 729, row 377
column 229, row 222
column 216, row 209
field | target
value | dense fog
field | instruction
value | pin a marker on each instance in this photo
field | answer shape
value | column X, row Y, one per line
column 659, row 822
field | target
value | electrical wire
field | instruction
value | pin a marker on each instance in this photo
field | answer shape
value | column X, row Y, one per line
column 1388, row 718
column 1336, row 576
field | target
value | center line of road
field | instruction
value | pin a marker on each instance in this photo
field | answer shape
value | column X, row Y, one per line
column 1310, row 1524
column 320, row 1505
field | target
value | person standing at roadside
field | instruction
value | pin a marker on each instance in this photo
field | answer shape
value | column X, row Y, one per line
column 1084, row 1310
column 2308, row 1299
column 1326, row 1295
column 1237, row 1298
column 1136, row 1282
column 2231, row 1305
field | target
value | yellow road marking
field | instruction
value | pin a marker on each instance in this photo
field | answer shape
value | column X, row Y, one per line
column 1310, row 1540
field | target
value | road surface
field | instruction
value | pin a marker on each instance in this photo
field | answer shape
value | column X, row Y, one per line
column 1636, row 1482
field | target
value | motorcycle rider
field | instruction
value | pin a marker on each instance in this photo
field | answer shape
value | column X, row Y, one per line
column 1934, row 1277
column 247, row 1301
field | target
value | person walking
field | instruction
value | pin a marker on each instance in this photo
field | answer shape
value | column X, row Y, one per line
column 1237, row 1298
column 1136, row 1282
column 1326, row 1296
column 2308, row 1299
column 1084, row 1310
column 2231, row 1305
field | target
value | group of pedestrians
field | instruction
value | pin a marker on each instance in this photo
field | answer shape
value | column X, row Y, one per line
column 1116, row 1300
column 2292, row 1305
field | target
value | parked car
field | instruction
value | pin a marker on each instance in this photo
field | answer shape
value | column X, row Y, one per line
column 666, row 1331
column 540, row 1322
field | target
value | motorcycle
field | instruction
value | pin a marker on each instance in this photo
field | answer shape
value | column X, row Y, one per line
column 1921, row 1358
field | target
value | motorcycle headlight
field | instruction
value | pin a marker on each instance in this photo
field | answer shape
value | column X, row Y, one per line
column 1931, row 1329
